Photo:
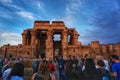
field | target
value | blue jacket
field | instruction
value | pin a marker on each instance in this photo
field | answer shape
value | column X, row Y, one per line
column 16, row 78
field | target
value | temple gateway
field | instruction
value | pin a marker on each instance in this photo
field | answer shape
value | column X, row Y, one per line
column 41, row 40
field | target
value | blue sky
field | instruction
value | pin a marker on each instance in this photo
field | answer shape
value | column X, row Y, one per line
column 93, row 19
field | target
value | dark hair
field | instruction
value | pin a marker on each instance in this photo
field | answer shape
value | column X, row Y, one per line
column 18, row 69
column 115, row 57
column 100, row 63
column 89, row 64
column 42, row 55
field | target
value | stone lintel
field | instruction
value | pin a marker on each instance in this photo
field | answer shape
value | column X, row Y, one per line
column 41, row 27
column 58, row 28
column 40, row 23
column 56, row 23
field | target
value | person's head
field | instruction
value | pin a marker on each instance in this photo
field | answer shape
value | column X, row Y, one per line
column 60, row 57
column 89, row 64
column 18, row 69
column 42, row 55
column 6, row 60
column 114, row 58
column 100, row 63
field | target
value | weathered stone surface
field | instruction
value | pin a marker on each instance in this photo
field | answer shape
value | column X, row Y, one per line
column 27, row 63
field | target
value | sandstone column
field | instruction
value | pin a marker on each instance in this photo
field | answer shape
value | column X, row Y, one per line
column 33, row 35
column 64, row 43
column 49, row 44
column 24, row 38
column 28, row 38
column 75, row 38
column 37, row 43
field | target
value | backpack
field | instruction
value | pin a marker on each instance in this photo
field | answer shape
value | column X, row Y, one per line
column 38, row 77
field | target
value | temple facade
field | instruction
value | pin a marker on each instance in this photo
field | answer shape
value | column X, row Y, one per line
column 41, row 40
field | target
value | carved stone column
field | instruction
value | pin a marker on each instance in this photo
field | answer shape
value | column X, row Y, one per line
column 28, row 34
column 33, row 39
column 24, row 39
column 64, row 43
column 49, row 44
column 75, row 37
column 33, row 33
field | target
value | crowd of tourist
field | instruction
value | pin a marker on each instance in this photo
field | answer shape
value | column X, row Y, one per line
column 73, row 68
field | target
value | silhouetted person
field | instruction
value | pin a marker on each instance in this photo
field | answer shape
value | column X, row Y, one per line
column 61, row 63
column 90, row 72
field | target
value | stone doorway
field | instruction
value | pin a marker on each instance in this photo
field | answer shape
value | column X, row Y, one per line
column 41, row 47
column 57, row 49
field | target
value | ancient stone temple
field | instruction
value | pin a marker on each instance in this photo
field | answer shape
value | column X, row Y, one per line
column 41, row 40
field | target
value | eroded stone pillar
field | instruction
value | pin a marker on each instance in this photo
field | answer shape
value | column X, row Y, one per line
column 64, row 43
column 28, row 37
column 75, row 38
column 33, row 35
column 49, row 44
column 24, row 39
column 33, row 43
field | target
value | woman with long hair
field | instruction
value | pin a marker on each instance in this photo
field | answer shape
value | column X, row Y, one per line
column 43, row 71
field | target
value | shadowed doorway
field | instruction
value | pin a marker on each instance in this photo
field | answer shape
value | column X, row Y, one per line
column 57, row 45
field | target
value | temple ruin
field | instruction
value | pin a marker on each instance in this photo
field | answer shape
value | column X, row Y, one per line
column 41, row 40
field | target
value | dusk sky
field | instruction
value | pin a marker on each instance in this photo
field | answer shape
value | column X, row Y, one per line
column 93, row 19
